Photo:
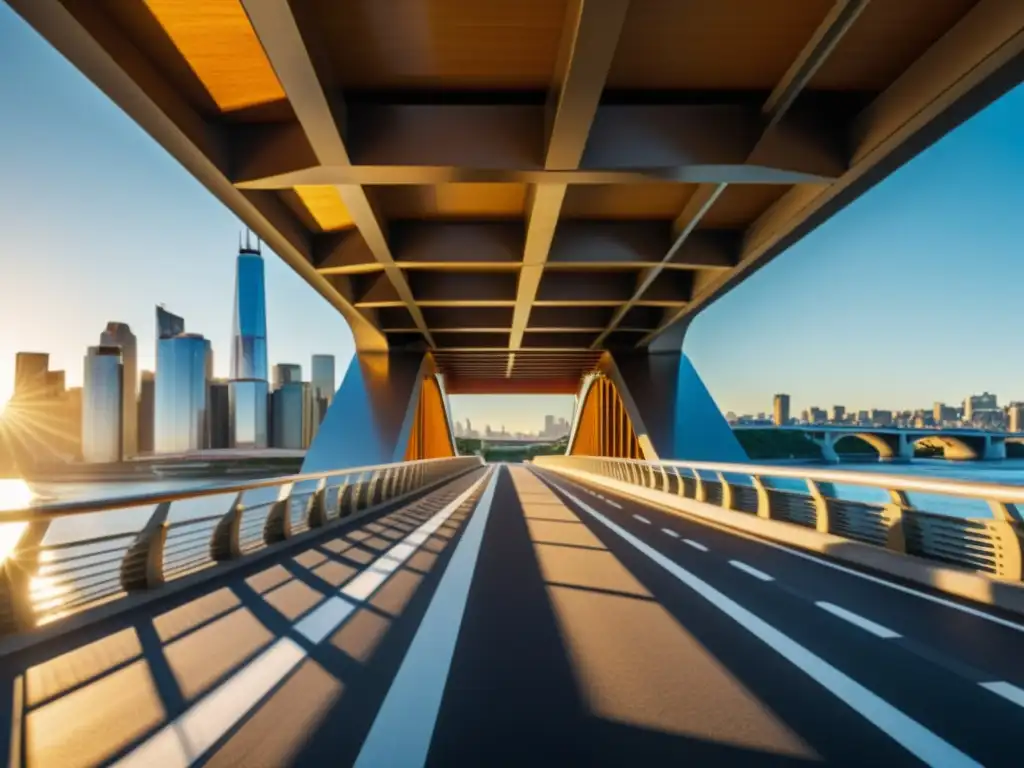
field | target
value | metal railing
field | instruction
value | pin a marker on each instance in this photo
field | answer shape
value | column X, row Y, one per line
column 811, row 498
column 45, row 580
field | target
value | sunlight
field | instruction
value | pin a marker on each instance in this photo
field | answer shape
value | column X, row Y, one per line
column 14, row 494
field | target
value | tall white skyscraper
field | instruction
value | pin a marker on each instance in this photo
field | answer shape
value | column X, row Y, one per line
column 102, row 431
column 120, row 335
column 248, row 390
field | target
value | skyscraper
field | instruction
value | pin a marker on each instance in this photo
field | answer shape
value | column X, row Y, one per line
column 181, row 406
column 147, row 405
column 293, row 415
column 219, row 421
column 102, row 431
column 286, row 373
column 168, row 325
column 249, row 337
column 120, row 335
column 30, row 370
column 248, row 396
column 322, row 377
column 781, row 414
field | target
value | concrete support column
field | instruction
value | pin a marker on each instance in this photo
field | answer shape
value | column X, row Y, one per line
column 672, row 413
column 995, row 448
column 827, row 442
column 905, row 447
column 371, row 416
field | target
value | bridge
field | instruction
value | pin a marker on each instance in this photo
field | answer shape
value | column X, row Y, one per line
column 958, row 444
column 527, row 197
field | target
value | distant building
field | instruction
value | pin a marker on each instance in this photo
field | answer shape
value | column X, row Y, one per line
column 781, row 410
column 863, row 417
column 1015, row 416
column 219, row 414
column 980, row 407
column 286, row 373
column 120, row 335
column 180, row 395
column 838, row 413
column 102, row 430
column 248, row 391
column 293, row 415
column 30, row 369
column 817, row 415
column 881, row 418
column 55, row 381
column 322, row 378
column 168, row 324
column 248, row 406
column 944, row 414
column 146, row 411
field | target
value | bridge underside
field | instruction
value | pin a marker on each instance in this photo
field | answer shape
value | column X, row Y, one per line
column 520, row 186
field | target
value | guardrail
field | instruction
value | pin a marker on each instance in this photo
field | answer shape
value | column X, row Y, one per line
column 42, row 581
column 992, row 545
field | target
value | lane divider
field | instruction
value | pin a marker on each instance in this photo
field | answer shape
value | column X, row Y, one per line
column 187, row 738
column 1007, row 691
column 695, row 544
column 642, row 519
column 858, row 621
column 670, row 532
column 761, row 575
column 921, row 742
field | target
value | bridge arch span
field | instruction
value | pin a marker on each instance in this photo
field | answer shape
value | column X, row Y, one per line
column 884, row 448
column 953, row 448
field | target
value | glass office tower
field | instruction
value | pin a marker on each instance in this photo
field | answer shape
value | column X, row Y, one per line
column 322, row 378
column 101, row 405
column 147, row 406
column 219, row 420
column 293, row 416
column 286, row 373
column 181, row 407
column 248, row 403
column 120, row 335
column 249, row 338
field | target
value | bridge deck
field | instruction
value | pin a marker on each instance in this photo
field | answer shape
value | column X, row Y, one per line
column 501, row 621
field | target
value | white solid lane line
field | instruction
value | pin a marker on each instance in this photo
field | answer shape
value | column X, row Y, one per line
column 859, row 621
column 751, row 570
column 401, row 732
column 670, row 532
column 695, row 544
column 187, row 738
column 642, row 519
column 927, row 746
column 1007, row 691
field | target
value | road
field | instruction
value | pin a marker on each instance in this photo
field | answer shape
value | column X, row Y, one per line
column 514, row 617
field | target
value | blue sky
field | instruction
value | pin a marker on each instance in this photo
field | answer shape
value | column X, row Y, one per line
column 910, row 295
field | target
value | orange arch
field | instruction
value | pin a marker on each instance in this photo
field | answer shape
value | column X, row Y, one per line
column 603, row 426
column 430, row 436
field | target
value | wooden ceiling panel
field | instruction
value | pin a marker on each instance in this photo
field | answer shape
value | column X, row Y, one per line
column 451, row 201
column 325, row 205
column 885, row 40
column 656, row 200
column 713, row 44
column 431, row 44
column 219, row 44
column 741, row 204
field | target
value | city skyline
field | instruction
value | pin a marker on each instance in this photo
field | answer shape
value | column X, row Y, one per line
column 867, row 301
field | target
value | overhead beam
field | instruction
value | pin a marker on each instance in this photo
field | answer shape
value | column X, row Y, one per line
column 97, row 47
column 282, row 41
column 968, row 68
column 831, row 30
column 585, row 56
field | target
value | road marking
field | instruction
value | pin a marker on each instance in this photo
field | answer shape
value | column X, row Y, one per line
column 670, row 532
column 186, row 739
column 1007, row 691
column 404, row 725
column 928, row 747
column 614, row 503
column 898, row 587
column 859, row 621
column 642, row 519
column 751, row 570
column 695, row 544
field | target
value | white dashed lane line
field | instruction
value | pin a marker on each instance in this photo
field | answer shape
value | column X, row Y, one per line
column 642, row 519
column 614, row 503
column 751, row 570
column 1009, row 692
column 859, row 621
column 670, row 532
column 695, row 544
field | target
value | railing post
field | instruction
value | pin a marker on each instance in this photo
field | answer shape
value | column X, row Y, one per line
column 225, row 544
column 726, row 491
column 316, row 507
column 21, row 565
column 347, row 498
column 278, row 525
column 1003, row 511
column 1009, row 550
column 892, row 516
column 764, row 499
column 402, row 480
column 822, row 519
column 700, row 491
column 142, row 566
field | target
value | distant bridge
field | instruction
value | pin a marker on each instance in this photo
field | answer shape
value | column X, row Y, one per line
column 959, row 444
